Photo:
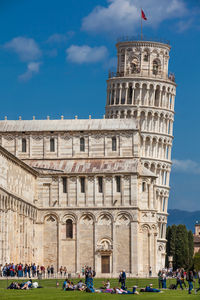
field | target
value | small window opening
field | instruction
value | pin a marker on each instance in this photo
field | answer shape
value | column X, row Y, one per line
column 52, row 145
column 118, row 184
column 23, row 145
column 82, row 144
column 82, row 179
column 69, row 229
column 114, row 144
column 100, row 184
column 64, row 181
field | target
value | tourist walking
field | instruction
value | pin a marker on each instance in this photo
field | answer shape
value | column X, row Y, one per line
column 190, row 279
column 178, row 280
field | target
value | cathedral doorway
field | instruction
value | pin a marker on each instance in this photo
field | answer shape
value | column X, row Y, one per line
column 105, row 264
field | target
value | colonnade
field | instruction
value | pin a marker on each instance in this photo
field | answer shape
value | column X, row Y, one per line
column 16, row 230
column 156, row 147
column 142, row 94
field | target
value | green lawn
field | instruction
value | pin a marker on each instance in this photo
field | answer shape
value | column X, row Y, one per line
column 50, row 292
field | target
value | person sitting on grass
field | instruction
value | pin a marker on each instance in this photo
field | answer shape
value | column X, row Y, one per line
column 26, row 285
column 14, row 286
column 80, row 286
column 68, row 285
column 64, row 284
column 106, row 285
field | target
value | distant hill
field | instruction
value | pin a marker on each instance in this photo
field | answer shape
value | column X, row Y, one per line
column 177, row 216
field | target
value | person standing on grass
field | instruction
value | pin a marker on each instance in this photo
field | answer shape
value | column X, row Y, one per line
column 190, row 279
column 198, row 282
column 178, row 280
column 160, row 279
column 52, row 270
column 123, row 280
column 150, row 271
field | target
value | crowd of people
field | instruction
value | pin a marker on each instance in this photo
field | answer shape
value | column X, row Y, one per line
column 181, row 277
column 23, row 285
column 184, row 280
column 29, row 270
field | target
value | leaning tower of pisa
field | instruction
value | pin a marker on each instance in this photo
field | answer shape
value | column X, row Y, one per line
column 142, row 89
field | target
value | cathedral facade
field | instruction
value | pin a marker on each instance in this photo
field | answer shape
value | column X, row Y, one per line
column 94, row 192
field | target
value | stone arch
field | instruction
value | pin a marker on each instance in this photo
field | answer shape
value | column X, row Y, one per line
column 70, row 216
column 104, row 218
column 87, row 218
column 53, row 214
column 123, row 218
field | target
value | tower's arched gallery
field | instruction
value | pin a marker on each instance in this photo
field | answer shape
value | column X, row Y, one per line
column 94, row 192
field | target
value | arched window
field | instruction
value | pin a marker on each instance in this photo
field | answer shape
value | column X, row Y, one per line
column 52, row 145
column 114, row 144
column 146, row 55
column 23, row 145
column 156, row 67
column 82, row 144
column 69, row 229
column 144, row 186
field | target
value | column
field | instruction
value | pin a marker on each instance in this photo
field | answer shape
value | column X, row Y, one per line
column 77, row 180
column 122, row 190
column 126, row 94
column 120, row 93
column 135, row 259
column 104, row 190
column 94, row 190
column 77, row 248
column 108, row 93
column 133, row 94
column 147, row 96
column 145, row 123
column 153, row 96
column 94, row 246
column 114, row 264
column 140, row 96
column 115, row 94
column 58, row 145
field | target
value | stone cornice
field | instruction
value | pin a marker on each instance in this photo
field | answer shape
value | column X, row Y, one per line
column 16, row 160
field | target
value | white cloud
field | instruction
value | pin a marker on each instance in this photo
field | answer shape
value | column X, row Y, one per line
column 86, row 54
column 26, row 48
column 186, row 166
column 32, row 68
column 58, row 38
column 123, row 16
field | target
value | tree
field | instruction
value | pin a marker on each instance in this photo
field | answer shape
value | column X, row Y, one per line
column 171, row 242
column 190, row 248
column 197, row 262
column 180, row 246
column 181, row 252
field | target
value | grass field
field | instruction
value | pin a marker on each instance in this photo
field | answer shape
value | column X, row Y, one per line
column 50, row 292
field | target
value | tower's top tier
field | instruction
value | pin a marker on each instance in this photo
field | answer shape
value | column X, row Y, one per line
column 142, row 58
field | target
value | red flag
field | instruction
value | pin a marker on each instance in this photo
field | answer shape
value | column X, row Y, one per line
column 143, row 15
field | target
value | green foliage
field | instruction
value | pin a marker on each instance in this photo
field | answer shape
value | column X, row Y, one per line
column 197, row 261
column 180, row 246
column 191, row 248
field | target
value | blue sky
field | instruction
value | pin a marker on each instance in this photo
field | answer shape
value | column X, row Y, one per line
column 55, row 56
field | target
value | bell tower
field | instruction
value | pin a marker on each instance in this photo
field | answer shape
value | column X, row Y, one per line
column 142, row 89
